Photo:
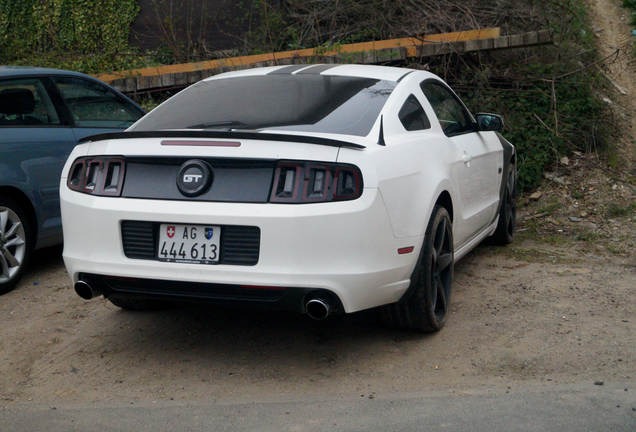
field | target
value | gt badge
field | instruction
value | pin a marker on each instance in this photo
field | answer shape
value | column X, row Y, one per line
column 194, row 177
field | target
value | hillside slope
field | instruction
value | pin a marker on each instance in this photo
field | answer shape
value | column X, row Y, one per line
column 611, row 25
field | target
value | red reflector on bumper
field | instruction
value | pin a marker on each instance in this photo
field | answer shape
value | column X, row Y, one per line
column 405, row 250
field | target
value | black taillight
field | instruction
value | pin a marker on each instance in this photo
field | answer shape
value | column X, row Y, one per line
column 347, row 184
column 103, row 176
column 93, row 169
column 286, row 182
column 114, row 179
column 76, row 174
column 310, row 182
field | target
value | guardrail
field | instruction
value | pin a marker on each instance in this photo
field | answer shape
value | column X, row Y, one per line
column 181, row 75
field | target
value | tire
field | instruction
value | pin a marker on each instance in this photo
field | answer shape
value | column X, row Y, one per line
column 508, row 212
column 425, row 305
column 16, row 243
column 138, row 304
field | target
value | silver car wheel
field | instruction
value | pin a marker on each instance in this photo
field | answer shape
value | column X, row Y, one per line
column 12, row 244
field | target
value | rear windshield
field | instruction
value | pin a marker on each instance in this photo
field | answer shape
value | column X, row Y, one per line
column 304, row 103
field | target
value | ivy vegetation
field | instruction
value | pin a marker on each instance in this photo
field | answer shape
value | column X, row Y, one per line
column 85, row 35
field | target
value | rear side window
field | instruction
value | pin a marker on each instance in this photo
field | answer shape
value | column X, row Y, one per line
column 452, row 115
column 25, row 102
column 94, row 105
column 412, row 115
column 276, row 102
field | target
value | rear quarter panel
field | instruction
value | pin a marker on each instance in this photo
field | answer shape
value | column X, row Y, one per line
column 412, row 169
column 410, row 175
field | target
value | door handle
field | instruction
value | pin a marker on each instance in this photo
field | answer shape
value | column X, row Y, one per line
column 467, row 158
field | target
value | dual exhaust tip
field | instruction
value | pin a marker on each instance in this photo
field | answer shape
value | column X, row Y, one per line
column 86, row 290
column 318, row 308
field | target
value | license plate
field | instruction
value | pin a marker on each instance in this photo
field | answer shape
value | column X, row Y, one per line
column 193, row 244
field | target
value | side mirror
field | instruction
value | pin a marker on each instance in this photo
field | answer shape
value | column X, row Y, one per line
column 489, row 122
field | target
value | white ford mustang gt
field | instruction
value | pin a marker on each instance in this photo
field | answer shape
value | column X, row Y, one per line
column 320, row 189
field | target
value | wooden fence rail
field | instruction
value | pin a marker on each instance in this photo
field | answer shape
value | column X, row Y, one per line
column 180, row 75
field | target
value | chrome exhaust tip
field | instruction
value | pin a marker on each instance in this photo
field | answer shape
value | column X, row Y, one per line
column 85, row 290
column 317, row 309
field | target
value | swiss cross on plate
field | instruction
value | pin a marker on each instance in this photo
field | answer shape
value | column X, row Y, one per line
column 170, row 231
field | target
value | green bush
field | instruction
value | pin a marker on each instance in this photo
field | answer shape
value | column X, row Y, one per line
column 540, row 131
column 85, row 35
column 542, row 121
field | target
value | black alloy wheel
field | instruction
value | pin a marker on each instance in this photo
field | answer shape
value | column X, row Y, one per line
column 508, row 212
column 425, row 305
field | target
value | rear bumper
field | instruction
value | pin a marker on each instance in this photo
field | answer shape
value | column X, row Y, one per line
column 347, row 248
column 273, row 298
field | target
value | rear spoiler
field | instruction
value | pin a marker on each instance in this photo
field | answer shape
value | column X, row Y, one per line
column 222, row 134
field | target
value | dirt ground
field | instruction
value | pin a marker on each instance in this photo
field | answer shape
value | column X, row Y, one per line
column 528, row 312
column 557, row 306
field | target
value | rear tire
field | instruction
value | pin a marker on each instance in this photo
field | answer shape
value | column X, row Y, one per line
column 425, row 305
column 16, row 243
column 137, row 304
column 508, row 212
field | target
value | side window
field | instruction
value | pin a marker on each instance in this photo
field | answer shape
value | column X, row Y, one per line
column 412, row 115
column 94, row 105
column 25, row 102
column 451, row 113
